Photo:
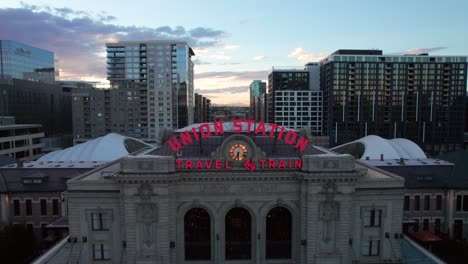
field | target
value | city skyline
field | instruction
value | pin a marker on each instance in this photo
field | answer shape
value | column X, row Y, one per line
column 234, row 44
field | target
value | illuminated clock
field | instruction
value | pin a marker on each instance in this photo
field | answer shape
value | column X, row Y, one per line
column 238, row 152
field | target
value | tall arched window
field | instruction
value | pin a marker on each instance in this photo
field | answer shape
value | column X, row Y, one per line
column 278, row 233
column 197, row 232
column 238, row 228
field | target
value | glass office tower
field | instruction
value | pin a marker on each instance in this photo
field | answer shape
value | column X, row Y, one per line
column 21, row 61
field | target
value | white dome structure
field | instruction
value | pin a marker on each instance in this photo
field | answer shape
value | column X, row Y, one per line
column 106, row 148
column 374, row 146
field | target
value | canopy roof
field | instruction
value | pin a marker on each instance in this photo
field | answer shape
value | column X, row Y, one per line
column 106, row 148
column 373, row 146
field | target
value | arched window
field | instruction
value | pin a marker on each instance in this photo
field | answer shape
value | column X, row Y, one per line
column 197, row 232
column 238, row 228
column 278, row 233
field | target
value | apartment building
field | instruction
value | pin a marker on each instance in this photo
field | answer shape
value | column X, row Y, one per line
column 418, row 97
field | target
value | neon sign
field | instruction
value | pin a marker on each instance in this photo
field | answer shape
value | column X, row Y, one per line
column 187, row 137
column 249, row 164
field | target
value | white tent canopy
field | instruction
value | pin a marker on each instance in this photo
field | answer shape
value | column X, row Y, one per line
column 106, row 148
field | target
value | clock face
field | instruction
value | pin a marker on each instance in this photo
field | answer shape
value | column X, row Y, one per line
column 238, row 152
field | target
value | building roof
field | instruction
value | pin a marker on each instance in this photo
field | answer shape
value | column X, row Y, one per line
column 105, row 148
column 37, row 180
column 459, row 175
column 373, row 147
column 19, row 126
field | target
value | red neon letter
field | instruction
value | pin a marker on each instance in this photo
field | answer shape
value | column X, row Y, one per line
column 205, row 130
column 179, row 163
column 302, row 144
column 218, row 164
column 177, row 145
column 260, row 128
column 218, row 127
column 237, row 123
column 290, row 137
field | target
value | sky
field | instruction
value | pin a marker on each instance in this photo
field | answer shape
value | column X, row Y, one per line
column 235, row 42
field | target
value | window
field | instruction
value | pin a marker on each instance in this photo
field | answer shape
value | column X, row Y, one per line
column 416, row 225
column 459, row 202
column 43, row 207
column 437, row 225
column 439, row 202
column 406, row 203
column 55, row 206
column 238, row 231
column 416, row 202
column 101, row 252
column 372, row 217
column 197, row 232
column 100, row 221
column 44, row 230
column 16, row 208
column 427, row 202
column 278, row 234
column 28, row 207
column 465, row 203
column 425, row 224
column 371, row 248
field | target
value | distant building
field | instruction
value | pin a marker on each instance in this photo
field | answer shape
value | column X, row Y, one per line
column 161, row 71
column 31, row 102
column 257, row 88
column 291, row 100
column 418, row 97
column 202, row 108
column 21, row 61
column 229, row 113
column 21, row 142
column 97, row 112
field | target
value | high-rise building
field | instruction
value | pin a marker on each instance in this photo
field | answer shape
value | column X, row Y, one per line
column 161, row 70
column 257, row 88
column 202, row 109
column 32, row 102
column 291, row 100
column 418, row 97
column 97, row 112
column 21, row 61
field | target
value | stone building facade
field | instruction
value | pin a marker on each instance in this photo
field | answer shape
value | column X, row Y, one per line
column 201, row 205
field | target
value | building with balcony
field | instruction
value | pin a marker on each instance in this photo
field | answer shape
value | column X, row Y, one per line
column 162, row 70
column 418, row 97
column 293, row 98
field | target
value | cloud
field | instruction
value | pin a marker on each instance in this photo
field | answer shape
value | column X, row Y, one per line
column 201, row 32
column 78, row 38
column 235, row 89
column 197, row 61
column 420, row 50
column 259, row 58
column 220, row 56
column 239, row 75
column 226, row 46
column 302, row 55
